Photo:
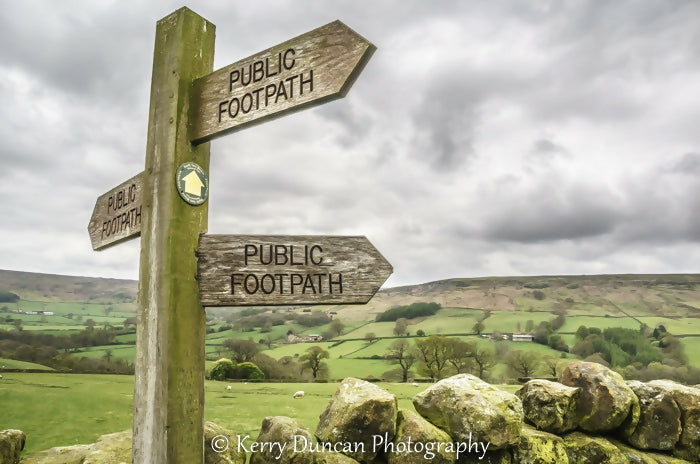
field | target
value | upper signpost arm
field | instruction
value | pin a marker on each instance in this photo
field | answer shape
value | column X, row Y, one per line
column 306, row 71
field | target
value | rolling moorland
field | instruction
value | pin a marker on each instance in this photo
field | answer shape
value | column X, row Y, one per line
column 94, row 320
column 65, row 305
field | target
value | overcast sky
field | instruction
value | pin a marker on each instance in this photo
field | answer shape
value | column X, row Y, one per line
column 483, row 138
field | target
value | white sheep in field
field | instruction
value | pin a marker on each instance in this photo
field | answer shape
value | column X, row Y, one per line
column 299, row 394
column 228, row 388
column 414, row 384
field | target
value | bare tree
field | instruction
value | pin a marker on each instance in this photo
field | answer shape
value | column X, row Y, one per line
column 522, row 364
column 484, row 359
column 401, row 353
column 552, row 364
column 433, row 353
column 460, row 355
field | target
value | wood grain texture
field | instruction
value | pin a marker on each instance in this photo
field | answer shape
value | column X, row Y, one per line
column 169, row 381
column 117, row 214
column 253, row 270
column 334, row 54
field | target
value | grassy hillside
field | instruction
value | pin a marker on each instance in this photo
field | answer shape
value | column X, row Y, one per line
column 668, row 296
column 504, row 304
column 60, row 288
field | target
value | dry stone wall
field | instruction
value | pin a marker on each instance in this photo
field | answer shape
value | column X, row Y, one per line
column 590, row 416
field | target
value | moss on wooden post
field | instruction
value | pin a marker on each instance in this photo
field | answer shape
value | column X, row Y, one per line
column 169, row 383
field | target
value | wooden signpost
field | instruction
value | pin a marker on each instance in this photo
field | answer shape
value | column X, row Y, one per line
column 237, row 270
column 182, row 269
column 117, row 214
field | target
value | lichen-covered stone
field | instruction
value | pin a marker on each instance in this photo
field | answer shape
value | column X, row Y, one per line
column 436, row 445
column 659, row 425
column 688, row 401
column 333, row 458
column 282, row 439
column 220, row 446
column 665, row 459
column 635, row 456
column 74, row 454
column 583, row 449
column 606, row 401
column 468, row 408
column 550, row 406
column 501, row 456
column 537, row 447
column 113, row 448
column 358, row 411
column 11, row 445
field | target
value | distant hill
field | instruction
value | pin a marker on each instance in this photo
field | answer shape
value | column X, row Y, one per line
column 67, row 289
column 667, row 295
column 664, row 295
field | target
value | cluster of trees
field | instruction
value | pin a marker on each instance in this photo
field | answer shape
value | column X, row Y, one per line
column 84, row 365
column 225, row 368
column 246, row 357
column 409, row 312
column 53, row 350
column 617, row 346
column 437, row 357
column 253, row 318
column 8, row 297
column 91, row 336
column 544, row 333
column 642, row 354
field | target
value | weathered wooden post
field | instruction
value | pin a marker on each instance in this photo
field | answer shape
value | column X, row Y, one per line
column 169, row 382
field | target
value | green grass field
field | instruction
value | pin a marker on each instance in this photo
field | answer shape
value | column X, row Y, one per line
column 64, row 409
column 13, row 364
column 126, row 352
column 692, row 350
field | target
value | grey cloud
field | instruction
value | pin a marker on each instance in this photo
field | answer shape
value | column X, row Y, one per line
column 542, row 221
column 602, row 57
column 458, row 95
column 447, row 117
column 660, row 209
column 79, row 51
column 546, row 147
column 688, row 164
column 352, row 125
column 545, row 151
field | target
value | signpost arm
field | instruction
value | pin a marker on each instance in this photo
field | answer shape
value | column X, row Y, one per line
column 169, row 382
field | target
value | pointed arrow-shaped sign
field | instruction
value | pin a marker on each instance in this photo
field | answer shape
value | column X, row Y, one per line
column 117, row 214
column 309, row 70
column 262, row 270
